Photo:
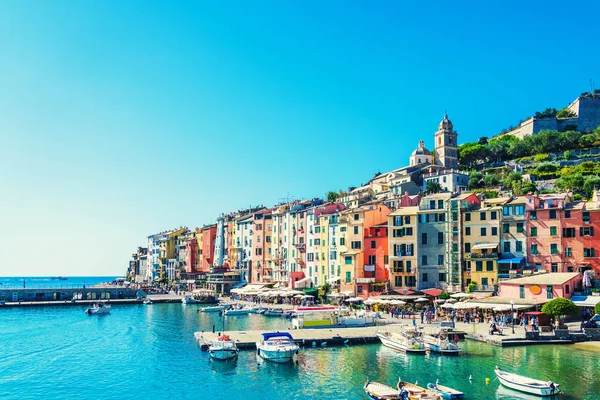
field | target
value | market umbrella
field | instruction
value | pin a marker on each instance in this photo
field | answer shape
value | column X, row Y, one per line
column 421, row 300
column 370, row 301
column 397, row 302
column 451, row 301
column 447, row 305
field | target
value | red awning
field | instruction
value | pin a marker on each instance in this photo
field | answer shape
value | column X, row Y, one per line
column 534, row 313
column 432, row 292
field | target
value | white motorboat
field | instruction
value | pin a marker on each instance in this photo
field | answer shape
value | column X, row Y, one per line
column 238, row 311
column 527, row 385
column 98, row 309
column 274, row 312
column 223, row 348
column 257, row 310
column 441, row 344
column 407, row 341
column 147, row 301
column 213, row 309
column 278, row 347
column 188, row 299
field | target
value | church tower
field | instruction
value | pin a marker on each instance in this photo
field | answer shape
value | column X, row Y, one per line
column 446, row 151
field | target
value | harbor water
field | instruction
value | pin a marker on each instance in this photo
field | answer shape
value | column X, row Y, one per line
column 148, row 351
column 47, row 282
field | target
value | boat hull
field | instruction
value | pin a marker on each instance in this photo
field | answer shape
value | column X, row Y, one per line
column 277, row 356
column 223, row 354
column 237, row 312
column 442, row 391
column 399, row 346
column 213, row 309
column 539, row 390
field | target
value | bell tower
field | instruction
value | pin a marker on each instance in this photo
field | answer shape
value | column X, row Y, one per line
column 446, row 147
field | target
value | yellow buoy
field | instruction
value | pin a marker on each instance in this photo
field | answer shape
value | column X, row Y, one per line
column 487, row 380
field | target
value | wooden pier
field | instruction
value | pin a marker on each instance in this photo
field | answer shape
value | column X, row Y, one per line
column 246, row 340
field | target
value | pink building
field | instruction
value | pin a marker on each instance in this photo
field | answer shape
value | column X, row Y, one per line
column 541, row 287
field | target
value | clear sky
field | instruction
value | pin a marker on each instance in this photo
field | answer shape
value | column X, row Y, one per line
column 119, row 119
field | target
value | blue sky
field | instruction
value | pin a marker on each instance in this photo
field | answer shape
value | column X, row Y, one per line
column 119, row 119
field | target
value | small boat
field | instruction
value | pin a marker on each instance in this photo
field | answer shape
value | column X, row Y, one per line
column 213, row 309
column 274, row 312
column 407, row 341
column 239, row 311
column 59, row 278
column 257, row 310
column 278, row 347
column 147, row 301
column 223, row 348
column 445, row 391
column 98, row 309
column 441, row 344
column 379, row 391
column 413, row 392
column 527, row 385
column 189, row 300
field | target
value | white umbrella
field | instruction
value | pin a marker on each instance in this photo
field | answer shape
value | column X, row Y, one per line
column 439, row 301
column 370, row 301
column 460, row 295
column 397, row 302
column 501, row 308
column 421, row 300
column 447, row 305
column 354, row 299
column 451, row 301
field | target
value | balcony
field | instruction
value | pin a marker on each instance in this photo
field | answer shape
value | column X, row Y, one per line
column 481, row 256
column 343, row 220
column 300, row 246
column 365, row 280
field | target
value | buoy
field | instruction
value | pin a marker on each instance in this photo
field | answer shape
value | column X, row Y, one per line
column 470, row 377
column 487, row 380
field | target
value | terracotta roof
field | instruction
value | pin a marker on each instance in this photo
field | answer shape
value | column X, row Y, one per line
column 553, row 278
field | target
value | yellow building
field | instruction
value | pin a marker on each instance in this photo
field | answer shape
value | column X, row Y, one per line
column 402, row 248
column 481, row 238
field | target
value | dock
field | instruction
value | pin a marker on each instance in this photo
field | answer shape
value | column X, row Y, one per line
column 157, row 299
column 246, row 340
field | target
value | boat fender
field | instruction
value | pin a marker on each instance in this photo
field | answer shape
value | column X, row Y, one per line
column 470, row 377
column 487, row 381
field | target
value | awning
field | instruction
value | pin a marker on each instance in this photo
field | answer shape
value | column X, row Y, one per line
column 485, row 246
column 585, row 301
column 517, row 260
column 303, row 280
column 432, row 292
column 490, row 306
column 334, row 279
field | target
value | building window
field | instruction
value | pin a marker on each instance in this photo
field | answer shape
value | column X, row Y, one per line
column 479, row 266
column 586, row 231
column 342, row 241
column 423, row 238
column 549, row 292
column 520, row 227
column 356, row 245
column 522, row 291
column 482, row 216
column 440, row 259
column 356, row 216
column 552, row 214
column 554, row 267
column 505, row 228
column 507, row 247
column 356, row 230
column 373, row 244
column 568, row 252
column 397, row 221
column 484, row 281
column 494, row 231
column 424, row 277
column 397, row 281
column 585, row 215
column 519, row 246
column 569, row 232
column 440, row 237
column 408, row 266
column 533, row 215
column 493, row 215
column 567, row 289
column 553, row 248
column 489, row 265
column 552, row 231
column 348, row 260
column 372, row 260
column 588, row 252
column 423, row 260
column 567, row 214
column 442, row 277
column 467, row 216
column 483, row 231
column 468, row 230
column 348, row 277
column 533, row 231
column 534, row 249
column 467, row 247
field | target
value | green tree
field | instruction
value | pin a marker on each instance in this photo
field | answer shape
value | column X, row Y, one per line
column 568, row 140
column 471, row 287
column 590, row 183
column 565, row 113
column 433, row 187
column 559, row 308
column 483, row 140
column 475, row 180
column 445, row 295
column 529, row 187
column 518, row 149
column 332, row 196
column 567, row 154
column 491, row 180
column 546, row 168
column 570, row 182
column 471, row 154
column 547, row 113
column 597, row 308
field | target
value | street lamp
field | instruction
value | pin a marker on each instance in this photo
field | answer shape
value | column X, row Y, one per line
column 512, row 309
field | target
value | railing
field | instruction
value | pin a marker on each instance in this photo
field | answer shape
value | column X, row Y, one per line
column 470, row 256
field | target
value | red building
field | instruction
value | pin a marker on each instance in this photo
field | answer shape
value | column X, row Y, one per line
column 192, row 256
column 208, row 247
column 375, row 261
column 581, row 237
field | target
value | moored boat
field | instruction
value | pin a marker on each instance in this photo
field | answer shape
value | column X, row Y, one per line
column 414, row 392
column 407, row 341
column 188, row 299
column 223, row 348
column 257, row 310
column 239, row 311
column 274, row 312
column 441, row 344
column 527, row 385
column 98, row 309
column 278, row 347
column 213, row 309
column 147, row 301
column 445, row 391
column 379, row 391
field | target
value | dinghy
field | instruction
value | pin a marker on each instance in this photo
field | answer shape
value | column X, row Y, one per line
column 445, row 391
column 527, row 385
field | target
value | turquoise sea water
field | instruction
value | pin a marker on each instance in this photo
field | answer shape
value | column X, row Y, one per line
column 37, row 282
column 148, row 352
